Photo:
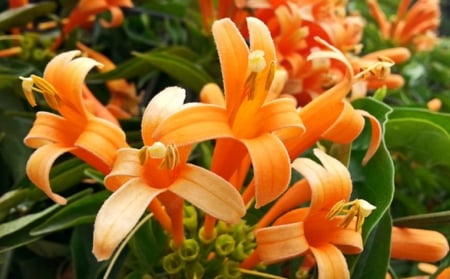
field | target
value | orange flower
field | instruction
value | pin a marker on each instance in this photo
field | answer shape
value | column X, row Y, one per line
column 160, row 168
column 339, row 121
column 418, row 25
column 418, row 245
column 248, row 127
column 326, row 228
column 124, row 100
column 91, row 138
column 86, row 9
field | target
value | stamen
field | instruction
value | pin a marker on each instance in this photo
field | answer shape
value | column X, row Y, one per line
column 158, row 150
column 256, row 61
column 358, row 208
column 378, row 70
column 172, row 158
column 40, row 85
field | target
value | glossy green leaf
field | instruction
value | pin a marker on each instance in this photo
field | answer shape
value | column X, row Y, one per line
column 22, row 15
column 79, row 212
column 373, row 261
column 422, row 134
column 375, row 181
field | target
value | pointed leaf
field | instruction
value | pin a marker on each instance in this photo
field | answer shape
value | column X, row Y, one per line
column 22, row 15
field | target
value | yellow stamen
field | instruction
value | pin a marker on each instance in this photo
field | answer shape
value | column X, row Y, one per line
column 38, row 84
column 158, row 150
column 378, row 70
column 358, row 208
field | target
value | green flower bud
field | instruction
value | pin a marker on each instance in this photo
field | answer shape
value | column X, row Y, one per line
column 231, row 270
column 190, row 218
column 189, row 250
column 206, row 240
column 238, row 253
column 224, row 245
column 194, row 270
column 172, row 263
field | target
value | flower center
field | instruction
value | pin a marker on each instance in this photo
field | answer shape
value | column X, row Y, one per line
column 38, row 84
column 358, row 208
column 257, row 64
column 378, row 70
column 167, row 153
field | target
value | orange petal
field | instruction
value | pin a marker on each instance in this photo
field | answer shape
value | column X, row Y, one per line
column 163, row 105
column 210, row 193
column 330, row 262
column 271, row 165
column 329, row 184
column 51, row 128
column 233, row 55
column 116, row 18
column 281, row 242
column 126, row 167
column 119, row 214
column 194, row 123
column 39, row 165
column 297, row 194
column 212, row 94
column 376, row 136
column 281, row 117
column 260, row 39
column 101, row 139
column 347, row 239
column 418, row 245
column 347, row 126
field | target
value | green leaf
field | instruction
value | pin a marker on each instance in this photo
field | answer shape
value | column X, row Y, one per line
column 149, row 235
column 375, row 184
column 375, row 181
column 22, row 15
column 424, row 220
column 373, row 261
column 188, row 73
column 79, row 212
column 15, row 233
column 424, row 135
column 84, row 263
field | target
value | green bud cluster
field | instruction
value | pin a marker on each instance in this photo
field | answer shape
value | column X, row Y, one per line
column 216, row 257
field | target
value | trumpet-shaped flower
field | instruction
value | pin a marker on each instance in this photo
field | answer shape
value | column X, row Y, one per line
column 325, row 228
column 91, row 138
column 159, row 169
column 247, row 125
column 339, row 121
column 417, row 25
column 86, row 9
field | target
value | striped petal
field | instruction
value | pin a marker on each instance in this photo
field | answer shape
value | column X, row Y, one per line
column 210, row 193
column 271, row 165
column 39, row 165
column 119, row 214
column 330, row 262
column 281, row 242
